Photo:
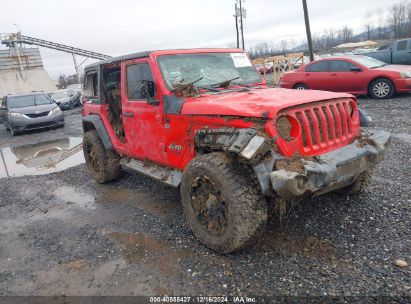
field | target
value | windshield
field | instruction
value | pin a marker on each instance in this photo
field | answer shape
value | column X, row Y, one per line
column 58, row 95
column 210, row 68
column 28, row 101
column 369, row 62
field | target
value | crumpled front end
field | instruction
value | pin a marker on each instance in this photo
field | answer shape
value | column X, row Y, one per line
column 297, row 177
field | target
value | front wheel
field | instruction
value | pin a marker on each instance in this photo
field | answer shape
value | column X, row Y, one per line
column 360, row 184
column 13, row 132
column 222, row 203
column 102, row 164
column 381, row 88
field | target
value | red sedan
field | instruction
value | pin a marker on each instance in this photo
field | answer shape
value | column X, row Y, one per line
column 358, row 75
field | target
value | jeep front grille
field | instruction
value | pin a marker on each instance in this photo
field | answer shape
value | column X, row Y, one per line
column 326, row 125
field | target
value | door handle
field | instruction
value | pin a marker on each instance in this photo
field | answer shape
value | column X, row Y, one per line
column 333, row 74
column 128, row 114
column 308, row 74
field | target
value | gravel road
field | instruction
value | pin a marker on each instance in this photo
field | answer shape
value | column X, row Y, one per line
column 64, row 234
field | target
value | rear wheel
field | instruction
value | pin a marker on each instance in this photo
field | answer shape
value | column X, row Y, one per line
column 103, row 164
column 381, row 88
column 300, row 86
column 222, row 203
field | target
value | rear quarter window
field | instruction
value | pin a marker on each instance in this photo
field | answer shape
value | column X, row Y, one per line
column 402, row 45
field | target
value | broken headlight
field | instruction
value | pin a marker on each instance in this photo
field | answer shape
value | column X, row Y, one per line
column 288, row 127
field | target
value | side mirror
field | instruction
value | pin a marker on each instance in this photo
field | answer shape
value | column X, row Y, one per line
column 355, row 69
column 148, row 92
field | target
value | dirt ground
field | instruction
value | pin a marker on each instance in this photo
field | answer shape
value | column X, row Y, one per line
column 61, row 233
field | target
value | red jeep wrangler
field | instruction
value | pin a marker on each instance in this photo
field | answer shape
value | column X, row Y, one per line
column 204, row 120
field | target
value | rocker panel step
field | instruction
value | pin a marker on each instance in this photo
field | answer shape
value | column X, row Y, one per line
column 169, row 176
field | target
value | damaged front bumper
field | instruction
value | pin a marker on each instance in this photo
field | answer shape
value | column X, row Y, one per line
column 327, row 172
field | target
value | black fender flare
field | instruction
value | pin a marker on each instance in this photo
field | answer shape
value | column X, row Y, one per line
column 98, row 125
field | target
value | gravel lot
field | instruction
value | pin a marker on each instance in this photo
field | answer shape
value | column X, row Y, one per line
column 63, row 234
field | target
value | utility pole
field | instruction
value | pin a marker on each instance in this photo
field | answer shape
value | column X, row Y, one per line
column 308, row 30
column 241, row 23
column 236, row 24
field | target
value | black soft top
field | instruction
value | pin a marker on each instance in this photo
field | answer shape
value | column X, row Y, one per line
column 95, row 65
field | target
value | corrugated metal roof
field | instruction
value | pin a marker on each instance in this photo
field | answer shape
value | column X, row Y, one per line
column 30, row 58
column 27, row 77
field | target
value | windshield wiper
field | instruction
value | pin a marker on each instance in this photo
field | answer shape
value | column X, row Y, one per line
column 189, row 89
column 378, row 66
column 224, row 84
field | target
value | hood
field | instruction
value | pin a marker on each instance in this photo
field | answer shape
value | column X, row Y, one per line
column 394, row 68
column 60, row 100
column 34, row 109
column 254, row 102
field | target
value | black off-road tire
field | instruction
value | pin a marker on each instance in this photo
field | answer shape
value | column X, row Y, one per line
column 360, row 183
column 102, row 164
column 246, row 207
column 381, row 88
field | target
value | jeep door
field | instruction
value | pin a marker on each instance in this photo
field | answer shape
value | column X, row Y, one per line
column 142, row 115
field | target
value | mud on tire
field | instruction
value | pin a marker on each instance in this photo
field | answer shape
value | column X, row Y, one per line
column 103, row 165
column 222, row 203
column 360, row 183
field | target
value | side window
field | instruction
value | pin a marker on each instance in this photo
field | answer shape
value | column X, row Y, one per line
column 402, row 45
column 135, row 74
column 340, row 66
column 90, row 86
column 321, row 66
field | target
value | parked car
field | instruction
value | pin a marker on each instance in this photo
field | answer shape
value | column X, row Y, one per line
column 76, row 87
column 23, row 112
column 204, row 120
column 66, row 99
column 398, row 53
column 264, row 69
column 356, row 74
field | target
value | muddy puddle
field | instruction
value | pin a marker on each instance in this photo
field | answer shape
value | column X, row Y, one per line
column 74, row 196
column 160, row 255
column 41, row 158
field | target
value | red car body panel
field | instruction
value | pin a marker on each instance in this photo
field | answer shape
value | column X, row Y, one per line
column 168, row 139
column 353, row 82
column 254, row 103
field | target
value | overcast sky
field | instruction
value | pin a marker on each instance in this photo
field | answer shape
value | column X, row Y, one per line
column 126, row 26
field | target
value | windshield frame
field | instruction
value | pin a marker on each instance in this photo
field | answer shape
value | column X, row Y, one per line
column 203, row 87
column 35, row 104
